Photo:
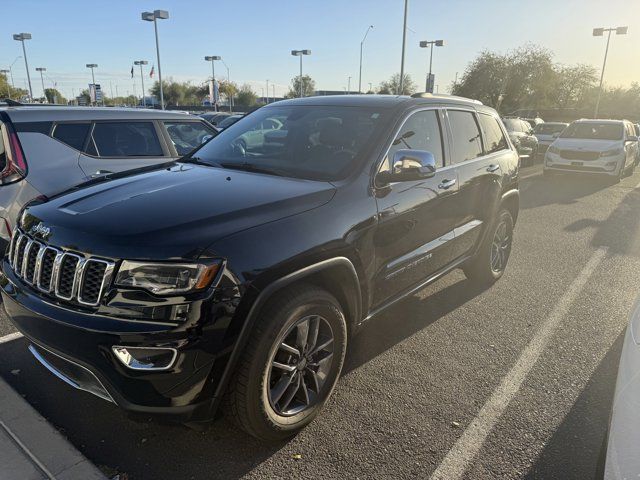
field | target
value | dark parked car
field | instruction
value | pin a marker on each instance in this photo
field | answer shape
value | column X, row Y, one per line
column 523, row 138
column 243, row 275
column 229, row 120
column 214, row 117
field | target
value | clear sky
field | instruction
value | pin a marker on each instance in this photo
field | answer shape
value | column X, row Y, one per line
column 255, row 38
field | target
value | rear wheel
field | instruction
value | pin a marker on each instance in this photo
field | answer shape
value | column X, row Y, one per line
column 290, row 365
column 489, row 263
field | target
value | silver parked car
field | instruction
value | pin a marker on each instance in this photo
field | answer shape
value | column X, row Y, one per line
column 622, row 460
column 546, row 133
column 45, row 150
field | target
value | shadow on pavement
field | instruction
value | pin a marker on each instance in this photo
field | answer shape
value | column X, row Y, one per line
column 559, row 189
column 620, row 232
column 405, row 319
column 576, row 450
column 147, row 448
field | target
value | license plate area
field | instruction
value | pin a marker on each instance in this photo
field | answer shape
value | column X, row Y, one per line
column 577, row 164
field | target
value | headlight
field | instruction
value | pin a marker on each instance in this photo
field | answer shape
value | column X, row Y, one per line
column 612, row 152
column 553, row 149
column 166, row 278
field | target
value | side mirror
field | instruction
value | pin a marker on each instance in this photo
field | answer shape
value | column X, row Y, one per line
column 409, row 165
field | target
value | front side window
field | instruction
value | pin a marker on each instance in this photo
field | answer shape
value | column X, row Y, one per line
column 124, row 139
column 467, row 142
column 186, row 136
column 494, row 138
column 312, row 142
column 421, row 131
column 72, row 134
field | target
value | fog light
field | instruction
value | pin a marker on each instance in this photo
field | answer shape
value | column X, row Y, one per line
column 145, row 358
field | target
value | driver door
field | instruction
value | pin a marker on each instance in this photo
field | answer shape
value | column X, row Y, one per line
column 416, row 219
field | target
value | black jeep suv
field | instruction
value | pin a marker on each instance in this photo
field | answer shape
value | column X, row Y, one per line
column 241, row 271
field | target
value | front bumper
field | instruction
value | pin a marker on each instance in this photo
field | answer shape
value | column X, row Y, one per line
column 77, row 347
column 605, row 166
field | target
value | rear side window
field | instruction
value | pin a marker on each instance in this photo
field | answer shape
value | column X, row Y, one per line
column 72, row 134
column 125, row 139
column 494, row 139
column 467, row 142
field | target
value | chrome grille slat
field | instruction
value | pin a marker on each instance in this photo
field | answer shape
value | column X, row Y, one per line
column 60, row 273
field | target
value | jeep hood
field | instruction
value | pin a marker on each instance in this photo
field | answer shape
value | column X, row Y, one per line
column 170, row 213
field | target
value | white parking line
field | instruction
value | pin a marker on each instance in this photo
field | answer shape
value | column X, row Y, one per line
column 456, row 462
column 10, row 337
column 531, row 175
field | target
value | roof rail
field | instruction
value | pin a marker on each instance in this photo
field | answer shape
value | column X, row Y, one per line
column 444, row 95
column 13, row 103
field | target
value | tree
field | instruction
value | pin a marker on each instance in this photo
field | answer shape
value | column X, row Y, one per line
column 308, row 87
column 180, row 93
column 392, row 86
column 246, row 96
column 228, row 89
column 573, row 84
column 7, row 91
column 54, row 96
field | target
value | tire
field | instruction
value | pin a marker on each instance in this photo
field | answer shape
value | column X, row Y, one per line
column 483, row 267
column 255, row 398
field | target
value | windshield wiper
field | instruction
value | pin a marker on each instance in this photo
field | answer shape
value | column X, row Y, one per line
column 250, row 167
column 199, row 161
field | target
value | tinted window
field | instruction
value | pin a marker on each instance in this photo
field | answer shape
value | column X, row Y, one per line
column 421, row 131
column 125, row 139
column 314, row 142
column 493, row 136
column 549, row 128
column 188, row 135
column 73, row 134
column 467, row 143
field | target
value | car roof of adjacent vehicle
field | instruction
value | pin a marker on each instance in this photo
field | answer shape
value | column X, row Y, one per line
column 379, row 101
column 596, row 120
column 65, row 113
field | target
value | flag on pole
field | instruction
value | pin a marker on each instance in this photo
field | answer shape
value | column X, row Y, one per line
column 153, row 69
column 131, row 71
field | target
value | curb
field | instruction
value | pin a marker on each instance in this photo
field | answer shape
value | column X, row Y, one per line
column 31, row 448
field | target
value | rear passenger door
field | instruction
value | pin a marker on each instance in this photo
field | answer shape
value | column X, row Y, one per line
column 478, row 162
column 116, row 146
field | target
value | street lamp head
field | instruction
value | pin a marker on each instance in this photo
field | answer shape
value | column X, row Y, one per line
column 296, row 53
column 41, row 69
column 92, row 65
column 598, row 32
column 148, row 16
column 5, row 71
column 439, row 43
column 140, row 62
column 424, row 44
column 161, row 14
column 22, row 36
column 306, row 52
column 621, row 30
column 211, row 58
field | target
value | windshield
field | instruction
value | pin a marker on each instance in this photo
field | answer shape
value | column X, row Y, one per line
column 549, row 128
column 593, row 131
column 319, row 142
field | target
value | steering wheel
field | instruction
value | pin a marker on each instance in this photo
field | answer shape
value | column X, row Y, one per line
column 239, row 147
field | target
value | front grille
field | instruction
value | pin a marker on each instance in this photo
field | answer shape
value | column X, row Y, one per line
column 65, row 275
column 579, row 155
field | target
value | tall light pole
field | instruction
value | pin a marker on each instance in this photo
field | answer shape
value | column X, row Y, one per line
column 273, row 90
column 21, row 37
column 361, row 45
column 93, row 79
column 13, row 85
column 599, row 32
column 349, row 85
column 300, row 53
column 141, row 63
column 230, row 87
column 404, row 41
column 6, row 76
column 429, row 44
column 153, row 17
column 267, row 90
column 42, row 70
column 212, row 59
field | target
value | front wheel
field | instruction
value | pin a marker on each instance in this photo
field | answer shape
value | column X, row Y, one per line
column 290, row 365
column 489, row 263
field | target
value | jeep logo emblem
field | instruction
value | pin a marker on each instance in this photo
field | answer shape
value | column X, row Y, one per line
column 42, row 229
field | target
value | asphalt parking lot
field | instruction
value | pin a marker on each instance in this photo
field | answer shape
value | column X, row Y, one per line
column 418, row 378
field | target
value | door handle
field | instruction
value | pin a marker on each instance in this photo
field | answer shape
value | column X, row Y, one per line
column 447, row 184
column 492, row 168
